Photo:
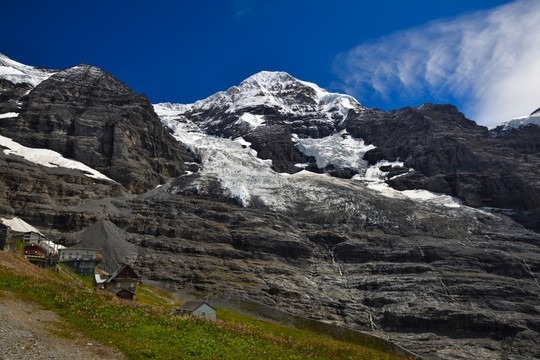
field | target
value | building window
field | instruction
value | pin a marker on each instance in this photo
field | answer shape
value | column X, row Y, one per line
column 118, row 285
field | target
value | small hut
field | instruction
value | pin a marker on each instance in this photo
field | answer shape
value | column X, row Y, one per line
column 198, row 309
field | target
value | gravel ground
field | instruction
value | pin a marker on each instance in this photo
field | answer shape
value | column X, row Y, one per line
column 29, row 332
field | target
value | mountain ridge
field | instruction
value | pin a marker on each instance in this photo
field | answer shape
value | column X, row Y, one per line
column 440, row 149
column 273, row 208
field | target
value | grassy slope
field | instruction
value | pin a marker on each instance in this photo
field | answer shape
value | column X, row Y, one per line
column 153, row 332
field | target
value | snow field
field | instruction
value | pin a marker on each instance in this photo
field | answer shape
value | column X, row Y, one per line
column 47, row 158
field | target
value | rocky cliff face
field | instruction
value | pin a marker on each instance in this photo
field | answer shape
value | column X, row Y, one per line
column 86, row 114
column 446, row 152
column 453, row 155
column 444, row 279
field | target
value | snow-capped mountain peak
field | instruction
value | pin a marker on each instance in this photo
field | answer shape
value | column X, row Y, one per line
column 517, row 123
column 228, row 129
column 268, row 97
column 534, row 119
column 280, row 88
column 19, row 73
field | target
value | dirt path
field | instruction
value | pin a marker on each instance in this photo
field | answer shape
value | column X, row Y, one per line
column 28, row 331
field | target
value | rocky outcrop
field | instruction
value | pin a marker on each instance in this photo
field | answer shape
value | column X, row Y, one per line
column 39, row 194
column 453, row 155
column 88, row 115
column 274, row 143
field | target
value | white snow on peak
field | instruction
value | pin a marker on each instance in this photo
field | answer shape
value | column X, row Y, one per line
column 279, row 91
column 47, row 158
column 518, row 122
column 19, row 73
column 340, row 150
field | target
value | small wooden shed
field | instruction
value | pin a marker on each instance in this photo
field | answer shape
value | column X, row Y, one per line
column 198, row 309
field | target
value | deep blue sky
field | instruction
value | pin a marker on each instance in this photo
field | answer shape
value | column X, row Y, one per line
column 183, row 51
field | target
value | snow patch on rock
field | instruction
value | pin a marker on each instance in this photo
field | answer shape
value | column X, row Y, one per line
column 519, row 122
column 254, row 121
column 244, row 177
column 9, row 115
column 47, row 158
column 375, row 180
column 339, row 150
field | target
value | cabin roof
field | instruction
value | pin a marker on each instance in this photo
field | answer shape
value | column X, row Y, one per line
column 123, row 270
column 20, row 226
column 193, row 305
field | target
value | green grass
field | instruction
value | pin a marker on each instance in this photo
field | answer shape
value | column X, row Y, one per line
column 20, row 244
column 89, row 281
column 150, row 332
column 315, row 343
column 154, row 296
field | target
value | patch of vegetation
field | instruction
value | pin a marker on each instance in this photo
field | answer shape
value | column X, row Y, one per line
column 154, row 296
column 19, row 244
column 64, row 334
column 315, row 343
column 148, row 332
column 89, row 281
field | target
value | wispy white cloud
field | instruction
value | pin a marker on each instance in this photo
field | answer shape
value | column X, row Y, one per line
column 487, row 62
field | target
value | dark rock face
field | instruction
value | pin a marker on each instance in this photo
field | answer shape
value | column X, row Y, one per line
column 274, row 142
column 40, row 194
column 444, row 283
column 86, row 114
column 9, row 95
column 453, row 155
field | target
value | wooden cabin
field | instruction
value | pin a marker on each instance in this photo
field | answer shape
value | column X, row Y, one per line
column 123, row 282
